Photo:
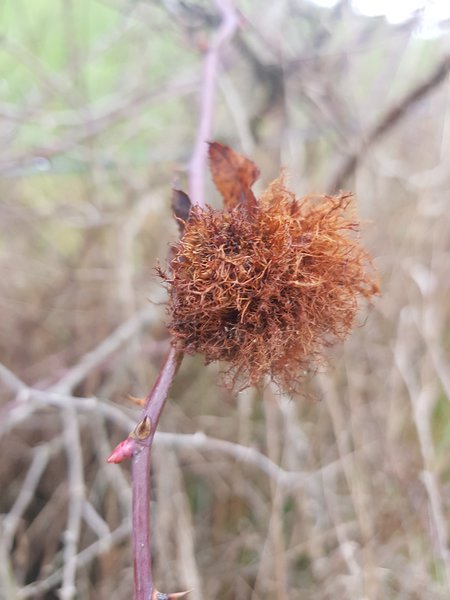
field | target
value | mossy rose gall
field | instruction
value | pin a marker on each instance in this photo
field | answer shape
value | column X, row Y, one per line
column 266, row 283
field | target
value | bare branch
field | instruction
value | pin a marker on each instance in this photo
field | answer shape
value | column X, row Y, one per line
column 197, row 166
column 95, row 357
column 83, row 558
column 143, row 582
column 390, row 119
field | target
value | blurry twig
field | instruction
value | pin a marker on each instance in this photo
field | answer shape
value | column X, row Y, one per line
column 121, row 111
column 87, row 363
column 92, row 359
column 197, row 165
column 422, row 395
column 31, row 401
column 388, row 120
column 83, row 558
column 273, row 558
column 11, row 380
column 74, row 454
column 38, row 399
column 38, row 465
column 289, row 480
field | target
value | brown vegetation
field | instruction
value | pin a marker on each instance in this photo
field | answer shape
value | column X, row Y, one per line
column 257, row 496
column 266, row 285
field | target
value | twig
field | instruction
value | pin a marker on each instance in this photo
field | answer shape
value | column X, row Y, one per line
column 197, row 165
column 393, row 116
column 199, row 441
column 72, row 442
column 11, row 380
column 143, row 582
column 141, row 532
column 95, row 357
column 27, row 492
column 16, row 412
column 78, row 135
column 423, row 397
column 139, row 443
column 85, row 557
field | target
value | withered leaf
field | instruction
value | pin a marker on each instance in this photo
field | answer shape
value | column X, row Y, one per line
column 181, row 205
column 233, row 176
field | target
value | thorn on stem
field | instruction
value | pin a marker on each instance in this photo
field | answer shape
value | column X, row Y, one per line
column 135, row 400
column 160, row 596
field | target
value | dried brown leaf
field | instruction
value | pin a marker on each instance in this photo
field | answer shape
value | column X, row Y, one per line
column 233, row 175
column 268, row 291
column 181, row 206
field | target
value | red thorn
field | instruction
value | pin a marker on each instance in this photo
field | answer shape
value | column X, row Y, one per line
column 126, row 449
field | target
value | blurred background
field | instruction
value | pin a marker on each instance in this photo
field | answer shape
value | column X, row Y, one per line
column 340, row 493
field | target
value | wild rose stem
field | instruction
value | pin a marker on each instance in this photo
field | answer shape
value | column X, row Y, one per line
column 141, row 530
column 198, row 162
column 141, row 538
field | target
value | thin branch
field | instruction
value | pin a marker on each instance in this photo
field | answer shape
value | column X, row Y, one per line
column 78, row 135
column 27, row 493
column 143, row 582
column 389, row 120
column 422, row 396
column 250, row 456
column 108, row 346
column 74, row 454
column 198, row 441
column 11, row 380
column 85, row 557
column 141, row 531
column 32, row 400
column 197, row 166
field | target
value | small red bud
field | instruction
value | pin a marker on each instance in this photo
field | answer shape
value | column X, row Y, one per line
column 126, row 449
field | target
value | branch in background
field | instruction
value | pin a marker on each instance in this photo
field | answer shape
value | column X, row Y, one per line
column 391, row 118
column 91, row 360
column 84, row 558
column 197, row 165
column 37, row 400
column 119, row 111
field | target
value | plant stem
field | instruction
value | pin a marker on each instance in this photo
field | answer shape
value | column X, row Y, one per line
column 197, row 166
column 143, row 581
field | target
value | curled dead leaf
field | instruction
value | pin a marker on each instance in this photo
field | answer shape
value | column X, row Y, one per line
column 181, row 206
column 233, row 176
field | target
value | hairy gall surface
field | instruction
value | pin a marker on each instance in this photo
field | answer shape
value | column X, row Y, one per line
column 267, row 290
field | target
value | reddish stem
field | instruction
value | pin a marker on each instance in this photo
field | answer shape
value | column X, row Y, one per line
column 197, row 166
column 143, row 581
